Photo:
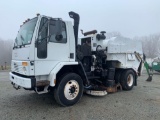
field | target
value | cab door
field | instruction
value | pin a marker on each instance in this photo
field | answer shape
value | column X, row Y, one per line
column 58, row 47
column 52, row 45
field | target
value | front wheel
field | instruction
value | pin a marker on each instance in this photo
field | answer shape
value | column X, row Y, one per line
column 127, row 79
column 69, row 90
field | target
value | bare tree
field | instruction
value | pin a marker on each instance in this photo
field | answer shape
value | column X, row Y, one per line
column 113, row 34
column 5, row 52
column 151, row 45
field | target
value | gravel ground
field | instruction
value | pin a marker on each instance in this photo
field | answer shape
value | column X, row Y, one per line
column 142, row 103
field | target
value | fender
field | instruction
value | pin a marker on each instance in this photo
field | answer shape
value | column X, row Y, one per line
column 136, row 75
column 56, row 69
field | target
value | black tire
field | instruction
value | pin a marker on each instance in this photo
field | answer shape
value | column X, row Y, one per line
column 69, row 85
column 127, row 79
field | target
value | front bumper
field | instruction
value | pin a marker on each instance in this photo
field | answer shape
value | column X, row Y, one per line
column 22, row 81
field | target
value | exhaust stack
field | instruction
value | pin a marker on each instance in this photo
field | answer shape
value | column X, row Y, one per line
column 76, row 19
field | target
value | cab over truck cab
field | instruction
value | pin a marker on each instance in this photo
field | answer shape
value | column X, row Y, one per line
column 48, row 57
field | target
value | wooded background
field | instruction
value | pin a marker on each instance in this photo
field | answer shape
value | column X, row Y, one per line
column 151, row 46
column 5, row 51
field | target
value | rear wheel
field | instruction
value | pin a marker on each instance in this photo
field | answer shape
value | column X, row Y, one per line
column 69, row 90
column 127, row 79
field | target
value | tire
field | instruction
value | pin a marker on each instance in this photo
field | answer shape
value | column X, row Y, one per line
column 69, row 89
column 127, row 80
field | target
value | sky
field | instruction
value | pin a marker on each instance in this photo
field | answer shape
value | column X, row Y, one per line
column 129, row 17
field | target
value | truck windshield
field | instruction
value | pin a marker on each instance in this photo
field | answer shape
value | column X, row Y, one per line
column 25, row 33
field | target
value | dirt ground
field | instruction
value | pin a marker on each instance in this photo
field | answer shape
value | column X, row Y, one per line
column 141, row 103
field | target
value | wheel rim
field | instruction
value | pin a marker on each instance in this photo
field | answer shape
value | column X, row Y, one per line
column 130, row 80
column 71, row 90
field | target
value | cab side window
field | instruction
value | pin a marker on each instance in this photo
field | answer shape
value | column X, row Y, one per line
column 53, row 32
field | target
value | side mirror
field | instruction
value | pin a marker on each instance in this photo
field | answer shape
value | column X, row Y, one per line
column 42, row 48
column 59, row 26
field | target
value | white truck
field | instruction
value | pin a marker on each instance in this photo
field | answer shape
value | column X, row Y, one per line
column 48, row 57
